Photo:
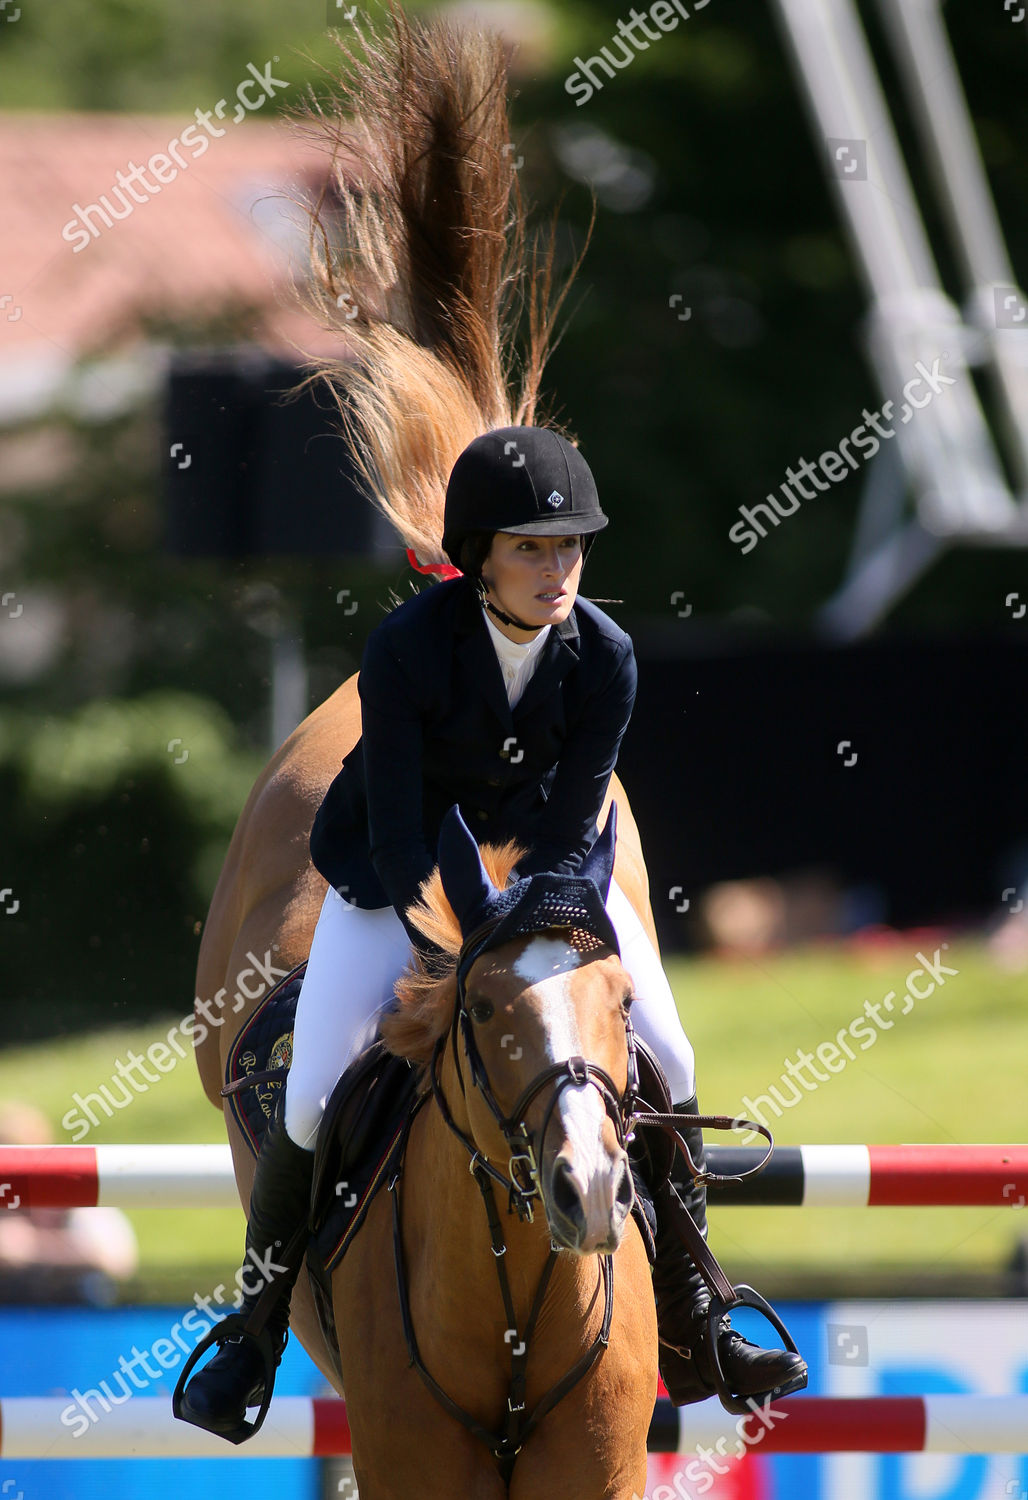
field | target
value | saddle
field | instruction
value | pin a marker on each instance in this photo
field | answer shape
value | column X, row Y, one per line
column 362, row 1134
column 360, row 1144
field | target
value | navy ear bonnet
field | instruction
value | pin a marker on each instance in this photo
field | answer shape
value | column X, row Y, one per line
column 489, row 916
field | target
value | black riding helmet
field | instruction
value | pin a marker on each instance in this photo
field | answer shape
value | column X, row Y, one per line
column 527, row 480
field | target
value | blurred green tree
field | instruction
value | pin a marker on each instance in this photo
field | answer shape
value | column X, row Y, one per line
column 711, row 341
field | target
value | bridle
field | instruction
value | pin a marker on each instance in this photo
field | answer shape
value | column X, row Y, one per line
column 522, row 1180
column 522, row 1185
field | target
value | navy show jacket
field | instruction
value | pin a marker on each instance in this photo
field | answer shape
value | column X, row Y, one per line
column 437, row 728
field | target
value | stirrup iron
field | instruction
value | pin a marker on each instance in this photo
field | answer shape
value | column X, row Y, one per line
column 745, row 1296
column 235, row 1325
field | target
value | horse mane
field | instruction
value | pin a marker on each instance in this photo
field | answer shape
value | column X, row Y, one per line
column 420, row 258
column 425, row 997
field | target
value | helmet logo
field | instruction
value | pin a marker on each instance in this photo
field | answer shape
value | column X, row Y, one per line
column 554, row 498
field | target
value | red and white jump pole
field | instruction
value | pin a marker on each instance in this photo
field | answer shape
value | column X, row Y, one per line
column 934, row 1176
column 301, row 1427
column 117, row 1177
column 811, row 1176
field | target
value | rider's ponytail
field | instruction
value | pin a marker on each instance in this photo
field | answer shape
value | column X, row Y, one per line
column 420, row 256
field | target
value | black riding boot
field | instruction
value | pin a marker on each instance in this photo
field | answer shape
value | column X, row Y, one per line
column 683, row 1299
column 217, row 1396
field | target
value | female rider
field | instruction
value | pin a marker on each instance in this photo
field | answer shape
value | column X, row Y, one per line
column 502, row 690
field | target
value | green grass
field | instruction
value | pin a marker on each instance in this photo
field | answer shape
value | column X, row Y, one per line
column 951, row 1070
column 176, row 1246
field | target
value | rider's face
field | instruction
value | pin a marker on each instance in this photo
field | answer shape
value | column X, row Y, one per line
column 534, row 578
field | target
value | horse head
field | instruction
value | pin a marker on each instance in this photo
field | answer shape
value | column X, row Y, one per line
column 542, row 1011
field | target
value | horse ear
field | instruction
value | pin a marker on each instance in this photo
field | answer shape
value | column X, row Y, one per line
column 465, row 878
column 598, row 864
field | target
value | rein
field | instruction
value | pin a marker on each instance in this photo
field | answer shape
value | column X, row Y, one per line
column 523, row 1189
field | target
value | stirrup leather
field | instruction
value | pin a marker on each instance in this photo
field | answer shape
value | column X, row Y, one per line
column 723, row 1295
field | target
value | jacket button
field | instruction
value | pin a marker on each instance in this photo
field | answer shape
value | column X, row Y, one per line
column 482, row 815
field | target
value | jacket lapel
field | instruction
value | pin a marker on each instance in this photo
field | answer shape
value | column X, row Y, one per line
column 474, row 650
column 559, row 655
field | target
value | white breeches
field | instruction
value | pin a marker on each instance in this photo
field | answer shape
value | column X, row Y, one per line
column 355, row 960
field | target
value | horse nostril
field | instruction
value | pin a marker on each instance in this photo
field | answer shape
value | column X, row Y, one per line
column 566, row 1198
column 624, row 1197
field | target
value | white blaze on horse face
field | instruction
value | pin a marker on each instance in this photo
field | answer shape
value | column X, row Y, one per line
column 546, row 965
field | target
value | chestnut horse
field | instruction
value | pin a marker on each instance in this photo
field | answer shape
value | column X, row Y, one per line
column 593, row 1443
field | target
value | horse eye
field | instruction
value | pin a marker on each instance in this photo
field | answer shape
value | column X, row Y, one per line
column 480, row 1011
column 628, row 1001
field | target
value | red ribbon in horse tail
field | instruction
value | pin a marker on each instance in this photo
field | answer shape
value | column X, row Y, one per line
column 445, row 570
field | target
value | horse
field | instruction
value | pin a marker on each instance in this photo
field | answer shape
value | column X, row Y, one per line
column 593, row 1443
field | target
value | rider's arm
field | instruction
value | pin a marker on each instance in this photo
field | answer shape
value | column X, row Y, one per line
column 583, row 773
column 391, row 732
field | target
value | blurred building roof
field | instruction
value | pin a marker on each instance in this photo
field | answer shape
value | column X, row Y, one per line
column 213, row 244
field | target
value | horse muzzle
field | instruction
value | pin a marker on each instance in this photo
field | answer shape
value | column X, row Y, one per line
column 586, row 1211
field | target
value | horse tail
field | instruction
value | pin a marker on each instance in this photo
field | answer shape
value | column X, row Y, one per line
column 420, row 257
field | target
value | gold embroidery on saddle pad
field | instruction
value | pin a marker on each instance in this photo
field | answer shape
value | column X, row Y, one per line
column 280, row 1056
